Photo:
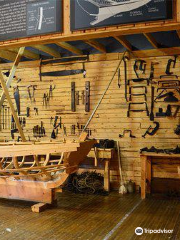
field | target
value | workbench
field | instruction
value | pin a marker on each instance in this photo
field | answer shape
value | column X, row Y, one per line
column 146, row 169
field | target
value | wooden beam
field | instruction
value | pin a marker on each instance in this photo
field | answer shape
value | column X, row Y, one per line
column 156, row 52
column 16, row 119
column 152, row 40
column 48, row 50
column 70, row 48
column 12, row 73
column 127, row 29
column 5, row 54
column 95, row 44
column 27, row 53
column 122, row 40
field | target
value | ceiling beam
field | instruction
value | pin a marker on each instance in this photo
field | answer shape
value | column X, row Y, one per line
column 70, row 48
column 85, row 35
column 27, row 53
column 10, row 56
column 95, row 44
column 152, row 40
column 123, row 41
column 156, row 52
column 48, row 50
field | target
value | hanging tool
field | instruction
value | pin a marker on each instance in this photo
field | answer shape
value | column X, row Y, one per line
column 125, row 59
column 139, row 65
column 177, row 107
column 87, row 96
column 119, row 77
column 17, row 99
column 171, row 64
column 28, row 111
column 168, row 97
column 151, row 131
column 36, row 110
column 40, row 69
column 177, row 130
column 45, row 100
column 127, row 131
column 137, row 110
column 152, row 104
column 73, row 129
column 73, row 97
column 62, row 73
column 168, row 112
column 51, row 89
column 82, row 97
column 31, row 92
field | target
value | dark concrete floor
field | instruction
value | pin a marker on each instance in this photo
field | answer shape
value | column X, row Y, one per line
column 90, row 217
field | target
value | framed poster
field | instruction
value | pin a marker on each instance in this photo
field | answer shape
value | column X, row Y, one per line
column 87, row 14
column 24, row 18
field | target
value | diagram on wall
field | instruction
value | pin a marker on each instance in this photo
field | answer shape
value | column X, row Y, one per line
column 97, row 13
column 22, row 18
column 41, row 17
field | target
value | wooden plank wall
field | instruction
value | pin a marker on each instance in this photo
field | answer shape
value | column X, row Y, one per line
column 111, row 117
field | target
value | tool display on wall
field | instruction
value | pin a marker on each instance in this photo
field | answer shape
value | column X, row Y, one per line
column 151, row 131
column 170, row 65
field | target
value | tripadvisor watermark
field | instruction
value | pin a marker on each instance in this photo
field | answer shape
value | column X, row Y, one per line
column 140, row 231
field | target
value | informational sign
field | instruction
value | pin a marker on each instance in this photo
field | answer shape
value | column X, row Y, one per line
column 24, row 18
column 100, row 13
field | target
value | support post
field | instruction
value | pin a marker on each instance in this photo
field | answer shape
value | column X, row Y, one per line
column 143, row 176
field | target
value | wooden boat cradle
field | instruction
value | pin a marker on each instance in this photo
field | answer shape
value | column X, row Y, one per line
column 39, row 178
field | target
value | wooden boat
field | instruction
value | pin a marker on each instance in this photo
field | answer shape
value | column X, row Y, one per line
column 28, row 173
column 110, row 8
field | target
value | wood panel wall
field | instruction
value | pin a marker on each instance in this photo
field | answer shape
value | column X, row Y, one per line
column 111, row 118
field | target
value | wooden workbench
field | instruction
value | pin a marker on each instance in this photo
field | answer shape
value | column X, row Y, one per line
column 146, row 169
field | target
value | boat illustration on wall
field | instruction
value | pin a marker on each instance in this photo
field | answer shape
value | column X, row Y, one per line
column 110, row 8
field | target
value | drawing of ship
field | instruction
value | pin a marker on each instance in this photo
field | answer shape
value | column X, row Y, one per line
column 110, row 8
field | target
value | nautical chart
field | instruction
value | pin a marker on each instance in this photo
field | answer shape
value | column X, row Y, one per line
column 97, row 13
